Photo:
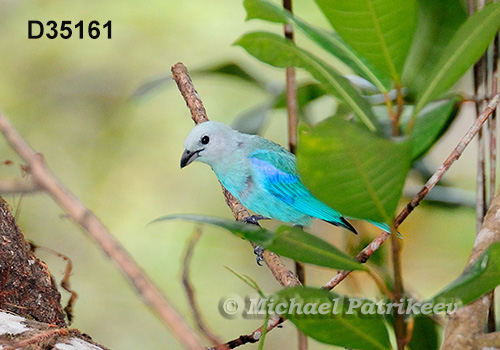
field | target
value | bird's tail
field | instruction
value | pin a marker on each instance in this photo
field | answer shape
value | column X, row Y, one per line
column 383, row 226
column 342, row 222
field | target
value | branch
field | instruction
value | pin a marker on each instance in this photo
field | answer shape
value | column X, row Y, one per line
column 18, row 186
column 25, row 333
column 148, row 291
column 293, row 120
column 199, row 115
column 465, row 329
column 190, row 293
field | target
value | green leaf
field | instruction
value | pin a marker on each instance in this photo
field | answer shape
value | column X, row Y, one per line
column 352, row 170
column 379, row 30
column 249, row 281
column 280, row 52
column 438, row 21
column 425, row 334
column 352, row 330
column 295, row 243
column 330, row 42
column 291, row 242
column 253, row 233
column 462, row 51
column 431, row 123
column 478, row 279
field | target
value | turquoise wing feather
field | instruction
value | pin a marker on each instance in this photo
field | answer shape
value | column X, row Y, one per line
column 277, row 172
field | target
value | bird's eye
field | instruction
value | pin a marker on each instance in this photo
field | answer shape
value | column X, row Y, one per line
column 205, row 139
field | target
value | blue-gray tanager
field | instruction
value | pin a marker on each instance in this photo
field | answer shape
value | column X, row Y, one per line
column 261, row 174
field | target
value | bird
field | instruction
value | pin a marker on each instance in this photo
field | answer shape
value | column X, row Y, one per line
column 261, row 174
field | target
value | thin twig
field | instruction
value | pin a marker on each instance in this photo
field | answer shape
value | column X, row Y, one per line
column 493, row 120
column 148, row 291
column 188, row 288
column 481, row 168
column 65, row 281
column 37, row 338
column 492, row 126
column 484, row 193
column 18, row 186
column 398, row 290
column 254, row 336
column 187, row 90
column 480, row 89
column 293, row 120
column 291, row 89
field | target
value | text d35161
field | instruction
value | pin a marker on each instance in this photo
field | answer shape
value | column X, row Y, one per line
column 65, row 29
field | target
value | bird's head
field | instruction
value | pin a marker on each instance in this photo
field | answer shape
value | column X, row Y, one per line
column 208, row 142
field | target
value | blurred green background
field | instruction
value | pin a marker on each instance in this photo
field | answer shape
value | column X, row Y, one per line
column 72, row 100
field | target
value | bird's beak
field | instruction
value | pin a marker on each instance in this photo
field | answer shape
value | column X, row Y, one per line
column 188, row 157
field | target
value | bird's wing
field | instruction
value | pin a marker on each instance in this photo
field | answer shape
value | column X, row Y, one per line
column 277, row 172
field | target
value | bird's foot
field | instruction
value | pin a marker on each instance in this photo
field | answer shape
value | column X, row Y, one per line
column 258, row 250
column 254, row 219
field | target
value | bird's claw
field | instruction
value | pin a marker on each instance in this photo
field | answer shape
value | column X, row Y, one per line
column 258, row 250
column 254, row 219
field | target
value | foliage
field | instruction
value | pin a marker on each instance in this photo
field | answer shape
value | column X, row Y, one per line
column 291, row 242
column 368, row 184
column 405, row 65
column 340, row 325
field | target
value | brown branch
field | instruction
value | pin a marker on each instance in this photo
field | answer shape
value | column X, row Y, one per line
column 148, row 291
column 254, row 336
column 465, row 329
column 188, row 288
column 291, row 89
column 488, row 341
column 293, row 120
column 37, row 338
column 199, row 115
column 492, row 127
column 18, row 186
column 398, row 292
column 480, row 71
column 398, row 289
column 493, row 119
column 184, row 83
column 362, row 257
column 480, row 82
column 26, row 333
